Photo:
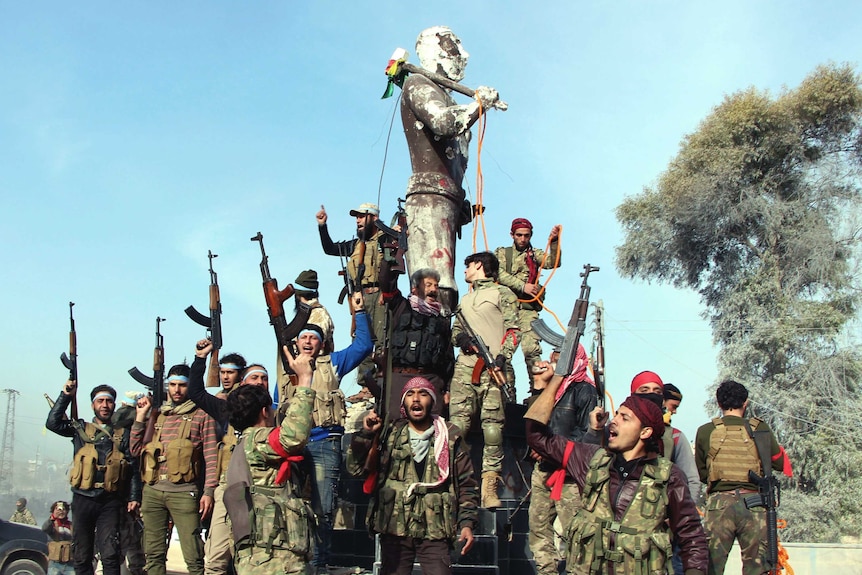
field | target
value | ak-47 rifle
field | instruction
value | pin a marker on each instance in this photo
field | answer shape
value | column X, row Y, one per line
column 568, row 345
column 212, row 323
column 372, row 459
column 285, row 332
column 768, row 495
column 599, row 356
column 71, row 360
column 156, row 383
column 353, row 284
column 396, row 247
column 484, row 359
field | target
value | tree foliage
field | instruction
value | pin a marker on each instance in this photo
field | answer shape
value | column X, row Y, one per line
column 759, row 212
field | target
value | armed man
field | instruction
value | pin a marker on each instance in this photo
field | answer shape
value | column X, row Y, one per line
column 520, row 265
column 420, row 335
column 323, row 451
column 631, row 495
column 271, row 523
column 364, row 255
column 727, row 451
column 425, row 496
column 491, row 312
column 104, row 478
column 178, row 450
column 554, row 496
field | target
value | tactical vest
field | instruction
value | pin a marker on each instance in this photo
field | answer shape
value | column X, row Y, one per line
column 371, row 261
column 639, row 544
column 225, row 450
column 60, row 551
column 669, row 441
column 179, row 461
column 267, row 517
column 330, row 408
column 510, row 256
column 85, row 466
column 428, row 513
column 420, row 341
column 732, row 452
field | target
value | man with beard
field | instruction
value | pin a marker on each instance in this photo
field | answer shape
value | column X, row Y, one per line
column 631, row 495
column 103, row 483
column 437, row 130
column 520, row 265
column 179, row 459
column 420, row 333
column 425, row 493
column 364, row 255
column 323, row 451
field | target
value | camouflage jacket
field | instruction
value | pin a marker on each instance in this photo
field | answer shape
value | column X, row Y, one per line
column 431, row 513
column 514, row 271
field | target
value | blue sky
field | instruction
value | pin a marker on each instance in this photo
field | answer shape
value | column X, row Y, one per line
column 135, row 137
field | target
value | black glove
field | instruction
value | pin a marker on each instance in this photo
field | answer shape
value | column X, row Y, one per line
column 500, row 362
column 464, row 342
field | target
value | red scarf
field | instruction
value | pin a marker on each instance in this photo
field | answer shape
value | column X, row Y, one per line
column 284, row 470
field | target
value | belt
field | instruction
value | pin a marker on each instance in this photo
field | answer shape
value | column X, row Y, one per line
column 415, row 370
column 735, row 493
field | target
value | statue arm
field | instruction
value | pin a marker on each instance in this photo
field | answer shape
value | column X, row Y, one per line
column 431, row 106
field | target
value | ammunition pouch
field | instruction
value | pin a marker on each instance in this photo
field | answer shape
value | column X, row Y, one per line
column 151, row 458
column 279, row 521
column 60, row 551
column 178, row 462
column 226, row 447
column 330, row 408
column 117, row 471
column 84, row 467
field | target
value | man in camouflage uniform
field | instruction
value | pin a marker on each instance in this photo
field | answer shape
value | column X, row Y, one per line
column 425, row 493
column 555, row 496
column 725, row 451
column 22, row 514
column 364, row 255
column 274, row 535
column 492, row 312
column 520, row 265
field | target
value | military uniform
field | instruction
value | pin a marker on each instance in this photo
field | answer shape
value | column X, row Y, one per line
column 491, row 310
column 628, row 509
column 724, row 453
column 412, row 519
column 24, row 517
column 103, row 480
column 515, row 273
column 274, row 536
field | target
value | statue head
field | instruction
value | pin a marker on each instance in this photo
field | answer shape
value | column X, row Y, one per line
column 439, row 50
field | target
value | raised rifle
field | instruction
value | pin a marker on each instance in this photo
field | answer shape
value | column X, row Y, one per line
column 285, row 332
column 212, row 323
column 599, row 355
column 156, row 383
column 484, row 359
column 567, row 345
column 71, row 361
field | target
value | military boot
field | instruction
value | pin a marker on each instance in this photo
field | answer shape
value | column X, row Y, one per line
column 489, row 489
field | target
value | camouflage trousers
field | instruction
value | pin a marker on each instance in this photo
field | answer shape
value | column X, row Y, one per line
column 726, row 519
column 257, row 561
column 548, row 520
column 375, row 314
column 529, row 343
column 485, row 399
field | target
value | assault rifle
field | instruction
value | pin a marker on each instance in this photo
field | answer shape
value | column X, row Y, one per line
column 768, row 495
column 485, row 359
column 568, row 345
column 212, row 323
column 353, row 285
column 398, row 238
column 155, row 384
column 71, row 360
column 599, row 356
column 285, row 332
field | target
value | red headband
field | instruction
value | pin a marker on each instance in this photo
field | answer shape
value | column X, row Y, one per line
column 646, row 377
column 521, row 223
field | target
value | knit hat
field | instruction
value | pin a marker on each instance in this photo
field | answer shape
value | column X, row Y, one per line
column 365, row 209
column 646, row 410
column 645, row 377
column 307, row 280
column 672, row 392
column 417, row 382
column 518, row 223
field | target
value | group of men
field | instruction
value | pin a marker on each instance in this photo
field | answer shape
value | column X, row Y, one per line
column 624, row 492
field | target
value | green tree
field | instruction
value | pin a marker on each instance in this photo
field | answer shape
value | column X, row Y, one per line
column 759, row 212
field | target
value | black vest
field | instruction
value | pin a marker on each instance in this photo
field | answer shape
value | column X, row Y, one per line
column 421, row 341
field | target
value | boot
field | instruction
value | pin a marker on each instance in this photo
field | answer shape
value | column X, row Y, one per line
column 489, row 489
